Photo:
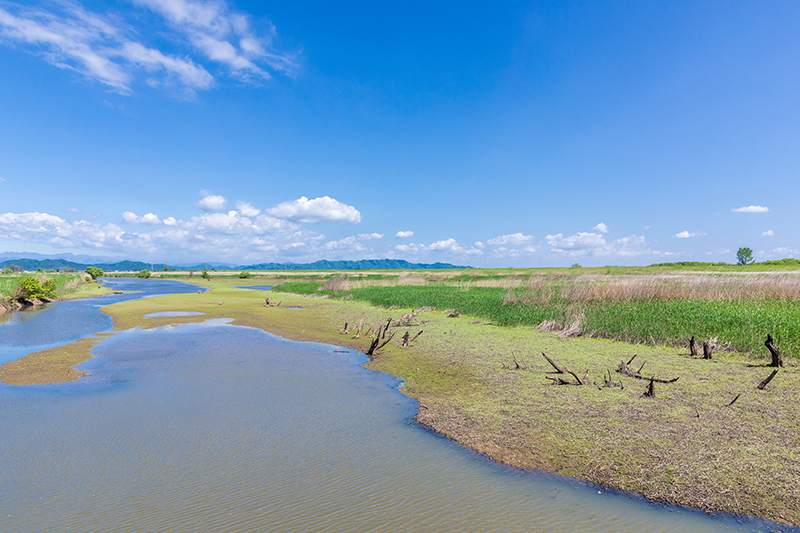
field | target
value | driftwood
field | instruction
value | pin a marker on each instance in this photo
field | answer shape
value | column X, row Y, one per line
column 734, row 400
column 358, row 330
column 452, row 313
column 651, row 390
column 386, row 328
column 777, row 360
column 560, row 370
column 222, row 302
column 377, row 345
column 554, row 365
column 766, row 381
column 405, row 340
column 608, row 382
column 415, row 336
column 694, row 349
column 707, row 350
column 345, row 328
column 623, row 369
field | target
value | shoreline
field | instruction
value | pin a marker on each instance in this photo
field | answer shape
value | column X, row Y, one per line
column 712, row 462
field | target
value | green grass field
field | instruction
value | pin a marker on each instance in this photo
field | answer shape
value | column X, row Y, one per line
column 735, row 311
column 66, row 283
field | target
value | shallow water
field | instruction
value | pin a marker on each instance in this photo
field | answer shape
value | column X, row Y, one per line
column 214, row 427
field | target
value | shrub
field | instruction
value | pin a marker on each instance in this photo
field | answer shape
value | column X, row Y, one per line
column 144, row 274
column 244, row 274
column 206, row 274
column 30, row 288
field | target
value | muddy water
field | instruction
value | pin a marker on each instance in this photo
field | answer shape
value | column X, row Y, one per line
column 212, row 427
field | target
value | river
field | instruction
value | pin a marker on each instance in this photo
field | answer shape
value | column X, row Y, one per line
column 211, row 427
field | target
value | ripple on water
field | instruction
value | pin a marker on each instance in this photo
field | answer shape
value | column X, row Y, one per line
column 223, row 428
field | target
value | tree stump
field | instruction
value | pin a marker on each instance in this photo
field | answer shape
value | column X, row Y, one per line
column 693, row 349
column 777, row 360
column 707, row 350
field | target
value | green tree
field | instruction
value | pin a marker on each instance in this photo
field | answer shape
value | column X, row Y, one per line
column 245, row 274
column 144, row 274
column 744, row 256
column 206, row 275
column 95, row 272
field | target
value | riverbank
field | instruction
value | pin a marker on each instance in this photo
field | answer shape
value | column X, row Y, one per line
column 686, row 445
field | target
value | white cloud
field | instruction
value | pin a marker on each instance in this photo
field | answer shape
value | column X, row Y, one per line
column 211, row 202
column 514, row 239
column 324, row 209
column 442, row 246
column 687, row 235
column 602, row 228
column 404, row 234
column 103, row 49
column 768, row 233
column 751, row 209
column 2, row 180
column 131, row 218
column 72, row 210
column 217, row 235
column 350, row 244
column 594, row 244
column 95, row 47
column 247, row 209
column 369, row 236
column 223, row 36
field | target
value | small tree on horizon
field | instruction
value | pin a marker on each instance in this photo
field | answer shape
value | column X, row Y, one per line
column 744, row 256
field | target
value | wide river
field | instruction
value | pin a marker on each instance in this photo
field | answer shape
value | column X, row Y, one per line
column 211, row 427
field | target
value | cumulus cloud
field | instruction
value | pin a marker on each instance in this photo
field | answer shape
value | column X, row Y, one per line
column 602, row 228
column 149, row 218
column 751, row 209
column 768, row 233
column 441, row 246
column 211, row 202
column 104, row 50
column 247, row 209
column 513, row 239
column 324, row 209
column 688, row 235
column 217, row 235
column 404, row 234
column 594, row 244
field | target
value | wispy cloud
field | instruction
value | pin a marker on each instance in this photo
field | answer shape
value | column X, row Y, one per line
column 223, row 36
column 513, row 238
column 110, row 51
column 2, row 180
column 323, row 209
column 688, row 235
column 751, row 209
column 404, row 234
column 768, row 233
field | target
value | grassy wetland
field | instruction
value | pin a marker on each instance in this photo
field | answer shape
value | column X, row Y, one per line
column 710, row 439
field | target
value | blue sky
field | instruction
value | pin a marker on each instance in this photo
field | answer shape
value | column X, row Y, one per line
column 516, row 134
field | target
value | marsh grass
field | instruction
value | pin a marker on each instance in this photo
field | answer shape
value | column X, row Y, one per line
column 737, row 310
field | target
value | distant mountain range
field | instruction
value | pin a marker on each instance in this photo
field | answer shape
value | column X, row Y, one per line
column 58, row 263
